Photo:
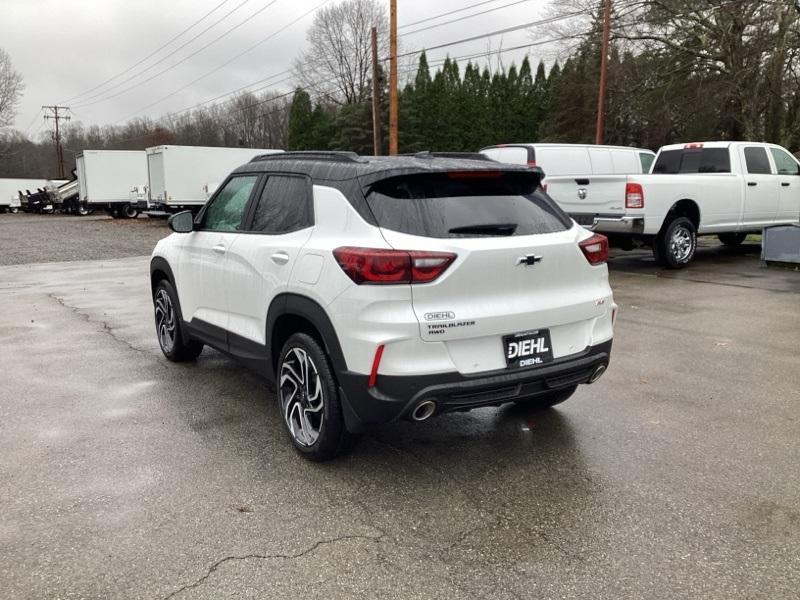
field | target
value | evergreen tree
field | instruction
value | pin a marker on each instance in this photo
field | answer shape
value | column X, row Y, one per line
column 300, row 121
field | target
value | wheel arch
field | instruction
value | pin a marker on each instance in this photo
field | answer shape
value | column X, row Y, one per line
column 291, row 313
column 160, row 270
column 685, row 207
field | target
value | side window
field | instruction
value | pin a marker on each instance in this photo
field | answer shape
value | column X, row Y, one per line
column 646, row 160
column 227, row 209
column 757, row 161
column 284, row 206
column 784, row 162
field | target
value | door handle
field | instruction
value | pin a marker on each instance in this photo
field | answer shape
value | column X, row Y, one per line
column 219, row 249
column 752, row 183
column 786, row 184
column 280, row 258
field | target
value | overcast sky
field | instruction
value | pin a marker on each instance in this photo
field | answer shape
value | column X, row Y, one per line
column 65, row 47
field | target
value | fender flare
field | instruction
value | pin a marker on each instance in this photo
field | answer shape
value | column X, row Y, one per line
column 308, row 309
column 159, row 263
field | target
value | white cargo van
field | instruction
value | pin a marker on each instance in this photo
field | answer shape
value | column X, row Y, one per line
column 106, row 178
column 581, row 178
column 184, row 176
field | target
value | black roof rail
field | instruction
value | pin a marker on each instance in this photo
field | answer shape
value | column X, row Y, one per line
column 464, row 155
column 332, row 156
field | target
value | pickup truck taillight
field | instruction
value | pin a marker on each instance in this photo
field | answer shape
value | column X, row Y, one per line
column 379, row 266
column 595, row 249
column 634, row 196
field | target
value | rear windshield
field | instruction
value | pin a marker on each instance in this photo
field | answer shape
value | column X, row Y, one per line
column 694, row 160
column 473, row 204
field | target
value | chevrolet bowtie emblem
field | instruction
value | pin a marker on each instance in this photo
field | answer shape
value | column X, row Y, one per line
column 528, row 260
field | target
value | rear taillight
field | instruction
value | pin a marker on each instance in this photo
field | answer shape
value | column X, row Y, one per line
column 634, row 195
column 378, row 266
column 543, row 187
column 595, row 249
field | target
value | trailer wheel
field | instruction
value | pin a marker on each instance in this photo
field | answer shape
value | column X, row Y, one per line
column 129, row 211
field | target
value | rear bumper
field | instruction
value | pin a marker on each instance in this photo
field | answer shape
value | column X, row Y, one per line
column 610, row 223
column 394, row 397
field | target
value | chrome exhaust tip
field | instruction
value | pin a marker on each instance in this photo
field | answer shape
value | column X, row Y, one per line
column 598, row 373
column 424, row 410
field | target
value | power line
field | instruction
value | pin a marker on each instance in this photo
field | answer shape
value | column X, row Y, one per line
column 183, row 60
column 464, row 18
column 153, row 53
column 493, row 33
column 446, row 14
column 229, row 61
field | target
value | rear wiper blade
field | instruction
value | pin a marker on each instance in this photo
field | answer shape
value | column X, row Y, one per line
column 487, row 229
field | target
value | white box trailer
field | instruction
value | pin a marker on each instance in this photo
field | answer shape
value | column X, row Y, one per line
column 11, row 187
column 106, row 178
column 185, row 176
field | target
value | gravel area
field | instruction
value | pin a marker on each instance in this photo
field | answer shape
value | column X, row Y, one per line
column 28, row 238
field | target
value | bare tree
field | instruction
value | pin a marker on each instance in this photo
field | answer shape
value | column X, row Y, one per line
column 337, row 61
column 11, row 88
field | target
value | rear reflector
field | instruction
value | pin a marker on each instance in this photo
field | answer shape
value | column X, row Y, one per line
column 531, row 163
column 379, row 266
column 376, row 362
column 634, row 195
column 595, row 249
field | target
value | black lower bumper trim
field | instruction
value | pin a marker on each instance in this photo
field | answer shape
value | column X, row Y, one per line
column 395, row 397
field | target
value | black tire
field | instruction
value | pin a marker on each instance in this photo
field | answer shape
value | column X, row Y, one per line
column 83, row 210
column 13, row 210
column 732, row 239
column 313, row 402
column 547, row 400
column 128, row 212
column 170, row 338
column 675, row 245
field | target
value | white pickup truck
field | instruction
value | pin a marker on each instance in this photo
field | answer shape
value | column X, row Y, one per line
column 728, row 189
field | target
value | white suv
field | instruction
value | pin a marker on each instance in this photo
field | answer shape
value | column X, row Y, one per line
column 371, row 289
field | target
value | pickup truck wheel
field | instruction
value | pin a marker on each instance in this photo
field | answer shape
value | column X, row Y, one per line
column 308, row 398
column 168, row 317
column 732, row 239
column 547, row 400
column 674, row 247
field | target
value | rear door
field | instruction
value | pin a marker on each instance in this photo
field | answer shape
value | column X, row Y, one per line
column 761, row 189
column 262, row 258
column 518, row 270
column 582, row 181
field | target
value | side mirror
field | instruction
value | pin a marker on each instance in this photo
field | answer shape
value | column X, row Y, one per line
column 182, row 222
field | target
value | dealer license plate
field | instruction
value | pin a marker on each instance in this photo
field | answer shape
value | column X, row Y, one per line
column 528, row 349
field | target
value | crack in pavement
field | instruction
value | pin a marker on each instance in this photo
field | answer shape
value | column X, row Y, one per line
column 106, row 327
column 318, row 544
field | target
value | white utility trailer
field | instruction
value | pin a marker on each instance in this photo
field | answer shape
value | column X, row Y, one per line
column 183, row 177
column 106, row 178
column 10, row 188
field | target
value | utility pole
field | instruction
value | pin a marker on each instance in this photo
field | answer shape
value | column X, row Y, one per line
column 601, row 94
column 376, row 99
column 56, row 117
column 392, row 77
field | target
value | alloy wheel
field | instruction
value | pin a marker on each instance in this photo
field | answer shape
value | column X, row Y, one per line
column 165, row 321
column 301, row 395
column 681, row 244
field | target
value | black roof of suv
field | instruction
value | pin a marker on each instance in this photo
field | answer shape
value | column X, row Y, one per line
column 353, row 174
column 341, row 166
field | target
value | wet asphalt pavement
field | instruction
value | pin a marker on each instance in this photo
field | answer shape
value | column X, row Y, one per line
column 677, row 475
